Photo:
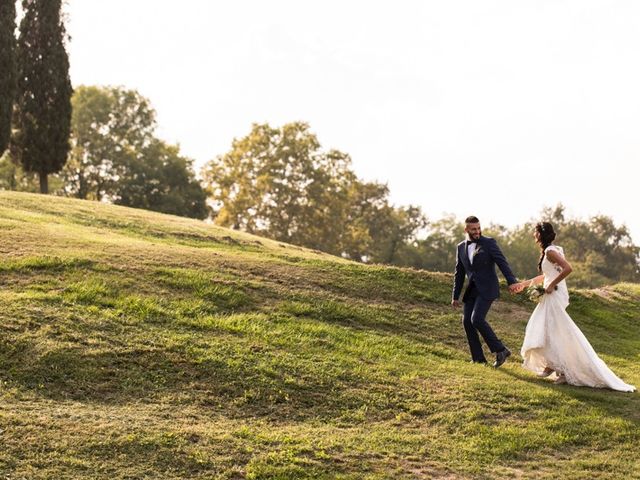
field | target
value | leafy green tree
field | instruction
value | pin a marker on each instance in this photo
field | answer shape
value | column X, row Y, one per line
column 7, row 69
column 162, row 180
column 111, row 126
column 437, row 250
column 401, row 229
column 519, row 246
column 368, row 208
column 12, row 177
column 116, row 156
column 43, row 103
column 279, row 183
column 377, row 231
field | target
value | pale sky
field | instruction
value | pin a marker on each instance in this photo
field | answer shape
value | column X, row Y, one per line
column 492, row 108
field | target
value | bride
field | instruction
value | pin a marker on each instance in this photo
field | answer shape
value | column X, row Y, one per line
column 553, row 344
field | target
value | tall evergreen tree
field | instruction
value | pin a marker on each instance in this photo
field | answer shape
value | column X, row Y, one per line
column 7, row 68
column 43, row 103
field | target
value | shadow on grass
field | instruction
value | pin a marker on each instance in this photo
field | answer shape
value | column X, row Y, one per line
column 253, row 385
column 620, row 404
column 45, row 263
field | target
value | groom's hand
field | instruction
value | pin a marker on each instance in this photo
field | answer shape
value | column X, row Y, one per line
column 455, row 303
column 515, row 288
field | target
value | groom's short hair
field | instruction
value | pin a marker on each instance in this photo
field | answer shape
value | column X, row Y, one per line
column 471, row 219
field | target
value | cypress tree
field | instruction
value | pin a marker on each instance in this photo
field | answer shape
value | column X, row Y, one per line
column 7, row 69
column 43, row 103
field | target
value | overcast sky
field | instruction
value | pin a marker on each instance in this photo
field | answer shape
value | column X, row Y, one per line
column 492, row 108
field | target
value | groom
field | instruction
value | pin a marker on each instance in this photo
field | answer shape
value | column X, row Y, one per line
column 477, row 257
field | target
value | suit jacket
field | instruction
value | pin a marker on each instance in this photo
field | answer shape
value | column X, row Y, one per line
column 482, row 272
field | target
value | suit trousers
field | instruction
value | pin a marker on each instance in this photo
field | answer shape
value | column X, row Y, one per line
column 474, row 322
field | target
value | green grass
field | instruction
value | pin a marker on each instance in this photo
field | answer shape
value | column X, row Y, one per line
column 139, row 345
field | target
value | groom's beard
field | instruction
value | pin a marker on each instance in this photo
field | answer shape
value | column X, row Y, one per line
column 474, row 236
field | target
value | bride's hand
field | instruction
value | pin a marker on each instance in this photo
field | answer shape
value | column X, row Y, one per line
column 551, row 289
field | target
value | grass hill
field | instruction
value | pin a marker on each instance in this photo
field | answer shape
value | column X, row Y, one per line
column 138, row 345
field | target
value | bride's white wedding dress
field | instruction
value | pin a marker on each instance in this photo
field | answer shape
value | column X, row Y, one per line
column 553, row 340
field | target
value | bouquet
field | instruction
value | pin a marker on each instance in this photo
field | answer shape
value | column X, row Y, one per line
column 535, row 292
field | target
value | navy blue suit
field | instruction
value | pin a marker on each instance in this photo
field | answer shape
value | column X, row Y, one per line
column 482, row 290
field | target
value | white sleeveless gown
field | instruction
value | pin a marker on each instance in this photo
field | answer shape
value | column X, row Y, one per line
column 553, row 340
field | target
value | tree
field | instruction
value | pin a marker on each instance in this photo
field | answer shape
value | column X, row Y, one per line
column 376, row 230
column 13, row 177
column 7, row 69
column 110, row 127
column 279, row 183
column 116, row 156
column 43, row 103
column 162, row 180
column 519, row 247
column 368, row 206
column 437, row 250
column 399, row 230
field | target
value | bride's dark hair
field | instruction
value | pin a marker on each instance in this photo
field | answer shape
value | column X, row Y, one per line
column 547, row 236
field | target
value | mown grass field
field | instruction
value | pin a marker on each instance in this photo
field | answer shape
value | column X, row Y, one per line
column 136, row 345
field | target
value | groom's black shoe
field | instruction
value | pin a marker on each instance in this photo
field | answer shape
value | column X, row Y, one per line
column 501, row 357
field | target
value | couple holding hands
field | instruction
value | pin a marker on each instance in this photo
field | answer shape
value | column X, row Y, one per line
column 553, row 344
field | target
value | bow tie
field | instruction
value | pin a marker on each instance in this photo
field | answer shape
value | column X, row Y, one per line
column 471, row 241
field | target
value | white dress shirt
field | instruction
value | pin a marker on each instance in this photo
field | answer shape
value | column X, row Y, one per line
column 471, row 248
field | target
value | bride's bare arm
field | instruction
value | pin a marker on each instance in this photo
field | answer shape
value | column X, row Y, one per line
column 555, row 257
column 534, row 281
column 527, row 283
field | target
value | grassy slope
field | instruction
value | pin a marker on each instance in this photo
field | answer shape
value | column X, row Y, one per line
column 137, row 345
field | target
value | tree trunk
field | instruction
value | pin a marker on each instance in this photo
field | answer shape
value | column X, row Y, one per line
column 392, row 251
column 44, row 183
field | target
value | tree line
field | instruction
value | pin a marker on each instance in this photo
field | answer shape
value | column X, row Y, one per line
column 100, row 143
column 601, row 252
column 280, row 183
